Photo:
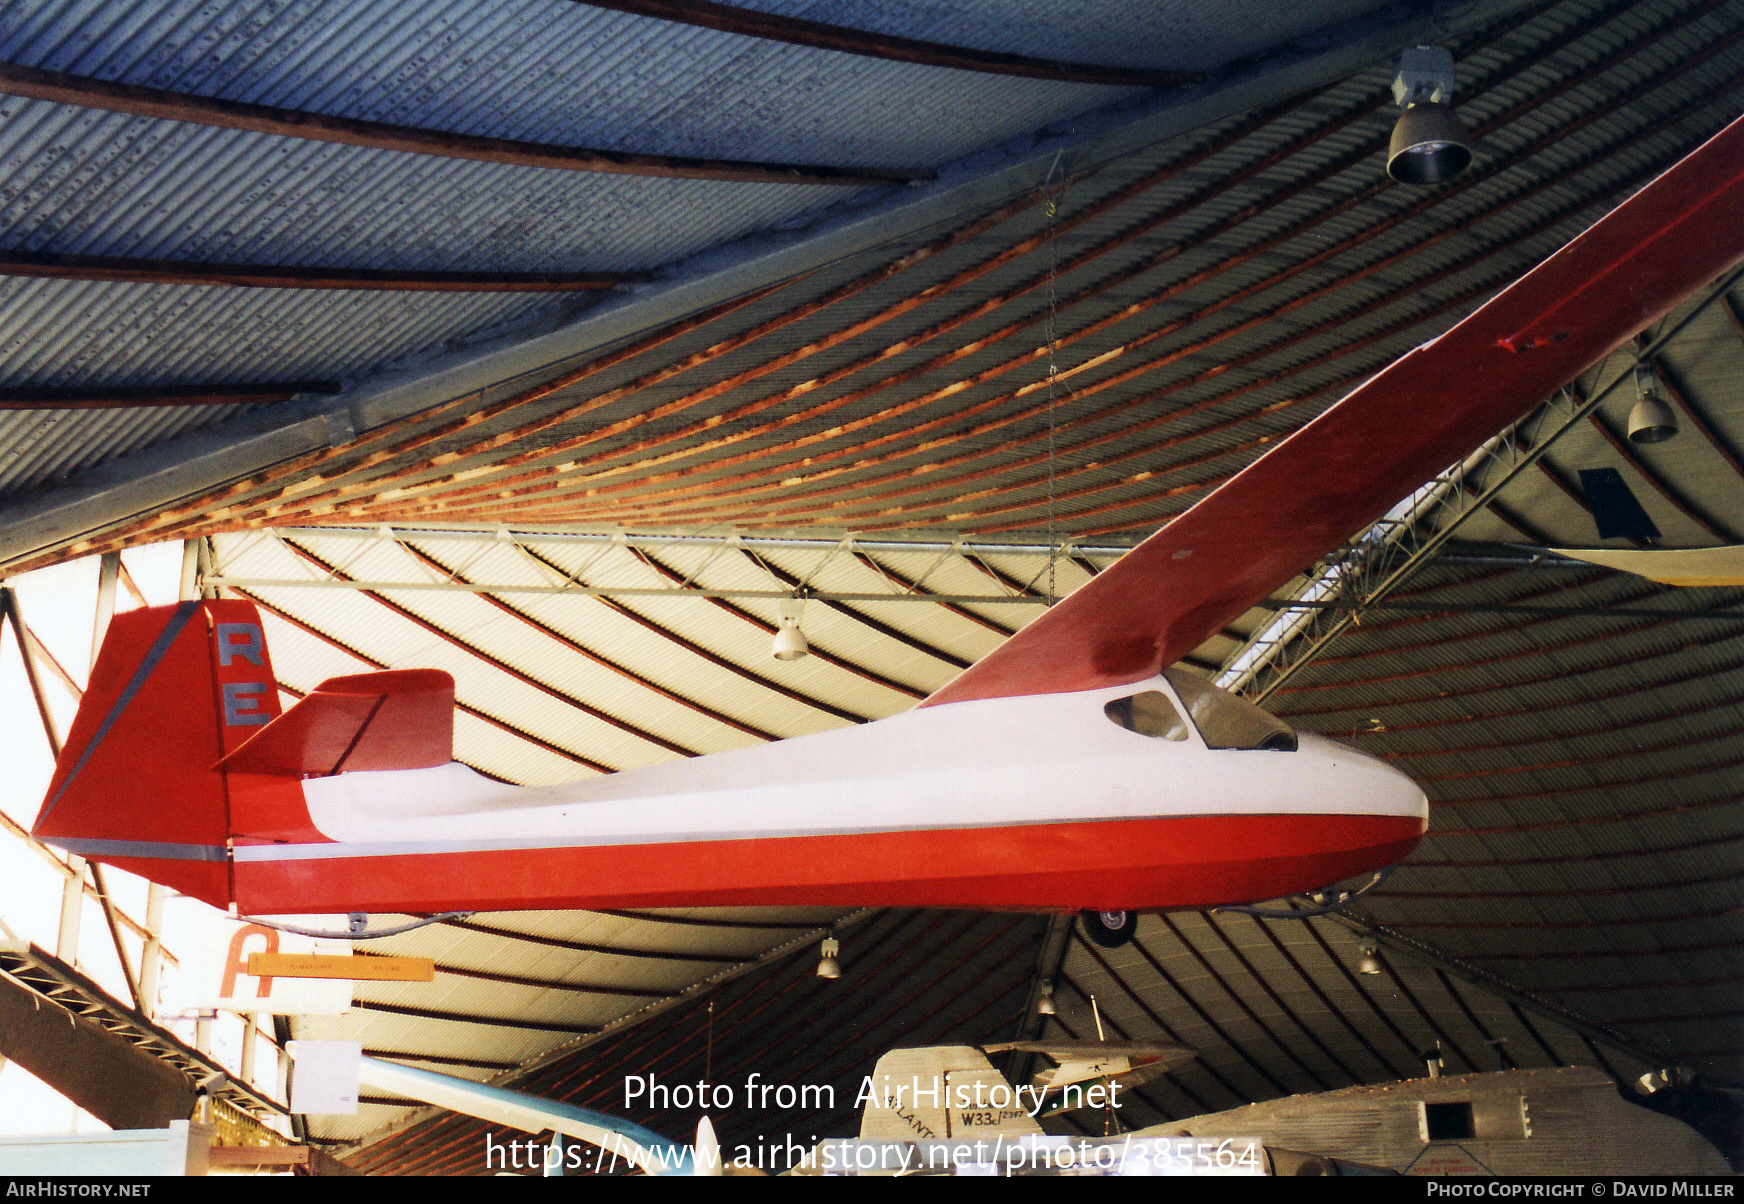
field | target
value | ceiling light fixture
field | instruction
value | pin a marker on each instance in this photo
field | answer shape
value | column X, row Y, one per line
column 1045, row 1005
column 1433, row 1062
column 1651, row 421
column 1429, row 144
column 828, row 966
column 1370, row 961
column 790, row 641
column 1665, row 1077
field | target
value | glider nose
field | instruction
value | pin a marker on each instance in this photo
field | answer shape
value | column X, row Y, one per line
column 1368, row 784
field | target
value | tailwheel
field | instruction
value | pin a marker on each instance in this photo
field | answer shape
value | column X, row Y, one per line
column 1109, row 929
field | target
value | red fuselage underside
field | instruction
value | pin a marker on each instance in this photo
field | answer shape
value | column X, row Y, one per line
column 1139, row 864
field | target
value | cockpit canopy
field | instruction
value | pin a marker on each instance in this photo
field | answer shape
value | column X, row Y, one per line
column 1222, row 720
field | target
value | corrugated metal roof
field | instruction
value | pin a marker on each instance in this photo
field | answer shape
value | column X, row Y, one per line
column 842, row 426
column 79, row 181
column 1208, row 293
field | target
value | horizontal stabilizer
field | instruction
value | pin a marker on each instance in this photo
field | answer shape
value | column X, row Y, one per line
column 1138, row 1051
column 1128, row 1063
column 399, row 719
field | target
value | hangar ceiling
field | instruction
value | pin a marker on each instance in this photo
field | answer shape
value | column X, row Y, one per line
column 552, row 345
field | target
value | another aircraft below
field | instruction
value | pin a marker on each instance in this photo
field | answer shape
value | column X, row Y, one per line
column 927, row 1114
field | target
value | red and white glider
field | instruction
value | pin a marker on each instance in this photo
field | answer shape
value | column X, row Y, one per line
column 1067, row 770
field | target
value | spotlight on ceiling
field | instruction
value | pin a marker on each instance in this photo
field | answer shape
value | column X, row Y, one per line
column 1429, row 144
column 1433, row 1062
column 1045, row 1005
column 1651, row 421
column 790, row 642
column 1654, row 1081
column 1370, row 961
column 828, row 967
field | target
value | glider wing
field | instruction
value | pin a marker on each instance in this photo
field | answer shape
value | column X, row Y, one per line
column 1346, row 468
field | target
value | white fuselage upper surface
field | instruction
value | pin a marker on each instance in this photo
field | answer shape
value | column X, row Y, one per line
column 1008, row 761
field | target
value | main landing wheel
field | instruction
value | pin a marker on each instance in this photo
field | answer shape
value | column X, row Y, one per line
column 1110, row 929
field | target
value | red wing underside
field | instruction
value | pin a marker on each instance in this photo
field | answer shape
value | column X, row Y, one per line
column 1365, row 454
column 400, row 719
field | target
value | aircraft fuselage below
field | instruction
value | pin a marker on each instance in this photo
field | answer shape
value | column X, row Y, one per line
column 1040, row 803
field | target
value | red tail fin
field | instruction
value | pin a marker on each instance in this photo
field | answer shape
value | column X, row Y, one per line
column 175, row 689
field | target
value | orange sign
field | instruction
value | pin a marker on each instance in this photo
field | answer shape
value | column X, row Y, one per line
column 322, row 965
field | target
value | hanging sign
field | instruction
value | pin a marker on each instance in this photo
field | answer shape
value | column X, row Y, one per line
column 215, row 953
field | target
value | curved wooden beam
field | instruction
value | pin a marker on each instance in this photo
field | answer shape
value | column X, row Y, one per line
column 136, row 396
column 822, row 36
column 134, row 100
column 115, row 269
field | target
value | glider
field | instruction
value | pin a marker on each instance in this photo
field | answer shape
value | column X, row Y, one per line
column 1069, row 770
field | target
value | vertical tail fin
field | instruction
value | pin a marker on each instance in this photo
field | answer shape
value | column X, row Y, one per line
column 940, row 1093
column 137, row 786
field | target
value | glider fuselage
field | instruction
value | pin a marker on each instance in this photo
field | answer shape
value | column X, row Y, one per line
column 1041, row 803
